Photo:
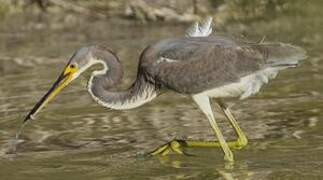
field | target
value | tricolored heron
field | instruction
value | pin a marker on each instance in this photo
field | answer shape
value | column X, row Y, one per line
column 198, row 65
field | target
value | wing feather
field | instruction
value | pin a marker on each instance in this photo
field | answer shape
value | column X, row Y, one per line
column 195, row 64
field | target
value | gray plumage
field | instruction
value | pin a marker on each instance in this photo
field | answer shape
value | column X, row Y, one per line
column 202, row 63
column 192, row 65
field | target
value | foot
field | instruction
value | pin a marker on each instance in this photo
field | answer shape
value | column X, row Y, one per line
column 174, row 146
column 239, row 143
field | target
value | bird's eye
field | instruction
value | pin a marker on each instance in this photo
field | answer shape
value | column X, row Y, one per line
column 72, row 66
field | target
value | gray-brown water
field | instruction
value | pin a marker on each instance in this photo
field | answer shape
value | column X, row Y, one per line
column 74, row 138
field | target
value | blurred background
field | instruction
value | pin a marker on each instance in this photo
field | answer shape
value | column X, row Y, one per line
column 74, row 138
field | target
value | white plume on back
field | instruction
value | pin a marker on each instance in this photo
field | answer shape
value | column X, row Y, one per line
column 202, row 29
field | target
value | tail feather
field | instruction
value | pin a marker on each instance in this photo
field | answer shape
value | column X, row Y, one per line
column 282, row 55
column 278, row 57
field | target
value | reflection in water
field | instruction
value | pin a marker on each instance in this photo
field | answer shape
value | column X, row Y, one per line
column 283, row 122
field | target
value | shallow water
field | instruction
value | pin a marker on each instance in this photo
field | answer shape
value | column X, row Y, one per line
column 74, row 138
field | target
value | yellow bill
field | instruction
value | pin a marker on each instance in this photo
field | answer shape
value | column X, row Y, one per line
column 63, row 80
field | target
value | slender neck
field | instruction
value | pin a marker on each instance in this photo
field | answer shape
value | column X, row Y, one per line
column 102, row 84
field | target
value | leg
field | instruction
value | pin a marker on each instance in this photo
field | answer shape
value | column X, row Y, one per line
column 203, row 102
column 175, row 145
column 242, row 140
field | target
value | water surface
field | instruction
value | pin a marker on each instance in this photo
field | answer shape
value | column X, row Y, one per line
column 74, row 138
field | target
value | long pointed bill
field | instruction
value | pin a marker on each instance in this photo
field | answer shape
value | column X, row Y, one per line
column 63, row 80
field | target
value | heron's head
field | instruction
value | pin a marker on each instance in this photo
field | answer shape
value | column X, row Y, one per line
column 81, row 60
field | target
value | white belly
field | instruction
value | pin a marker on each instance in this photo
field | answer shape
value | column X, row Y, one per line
column 247, row 86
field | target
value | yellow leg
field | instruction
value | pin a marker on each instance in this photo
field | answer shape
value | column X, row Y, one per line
column 204, row 104
column 176, row 145
column 242, row 140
